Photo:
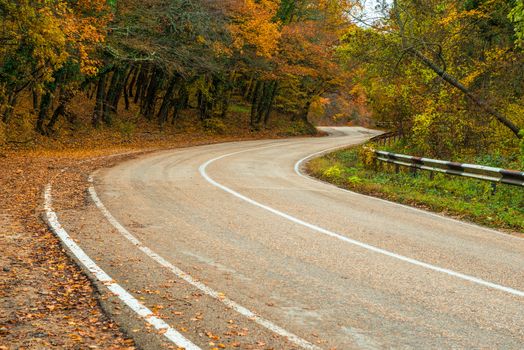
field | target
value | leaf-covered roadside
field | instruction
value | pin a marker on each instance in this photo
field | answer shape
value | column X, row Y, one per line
column 463, row 198
column 45, row 299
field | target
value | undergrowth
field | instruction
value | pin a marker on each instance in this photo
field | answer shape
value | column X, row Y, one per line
column 460, row 197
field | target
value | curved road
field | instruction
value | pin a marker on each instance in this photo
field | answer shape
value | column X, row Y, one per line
column 322, row 267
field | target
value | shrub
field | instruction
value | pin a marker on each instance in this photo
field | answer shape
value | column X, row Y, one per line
column 301, row 128
column 366, row 156
column 333, row 172
column 355, row 180
column 241, row 109
column 125, row 128
column 214, row 126
column 3, row 137
column 522, row 149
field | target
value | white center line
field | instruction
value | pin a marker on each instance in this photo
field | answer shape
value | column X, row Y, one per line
column 299, row 164
column 199, row 285
column 326, row 232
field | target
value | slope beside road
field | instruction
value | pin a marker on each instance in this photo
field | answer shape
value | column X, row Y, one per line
column 233, row 248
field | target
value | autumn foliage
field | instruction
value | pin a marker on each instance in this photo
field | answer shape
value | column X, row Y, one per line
column 419, row 67
column 162, row 58
column 446, row 74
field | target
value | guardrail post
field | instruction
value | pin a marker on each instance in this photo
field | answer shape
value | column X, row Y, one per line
column 493, row 188
column 397, row 168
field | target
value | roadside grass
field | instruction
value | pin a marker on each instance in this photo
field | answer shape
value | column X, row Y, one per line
column 238, row 108
column 459, row 197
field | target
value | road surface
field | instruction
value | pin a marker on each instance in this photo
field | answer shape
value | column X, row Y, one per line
column 231, row 229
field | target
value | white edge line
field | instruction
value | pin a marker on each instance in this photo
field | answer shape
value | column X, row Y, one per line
column 422, row 264
column 170, row 333
column 298, row 166
column 199, row 285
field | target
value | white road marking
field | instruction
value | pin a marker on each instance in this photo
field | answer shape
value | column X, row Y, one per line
column 171, row 334
column 298, row 165
column 326, row 232
column 199, row 285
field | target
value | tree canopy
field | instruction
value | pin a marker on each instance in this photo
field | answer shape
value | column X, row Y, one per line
column 447, row 74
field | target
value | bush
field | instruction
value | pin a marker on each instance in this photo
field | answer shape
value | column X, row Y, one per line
column 522, row 149
column 333, row 172
column 366, row 156
column 301, row 128
column 214, row 126
column 20, row 128
column 355, row 180
column 241, row 109
column 3, row 137
column 125, row 128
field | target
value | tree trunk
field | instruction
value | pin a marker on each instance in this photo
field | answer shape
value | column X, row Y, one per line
column 205, row 103
column 255, row 100
column 262, row 103
column 91, row 91
column 305, row 114
column 100, row 98
column 60, row 110
column 270, row 105
column 248, row 91
column 168, row 99
column 126, row 90
column 226, row 98
column 181, row 102
column 141, row 83
column 477, row 100
column 45, row 104
column 131, row 85
column 228, row 88
column 107, row 115
column 36, row 99
column 65, row 97
column 11, row 102
column 266, row 102
column 149, row 105
column 118, row 89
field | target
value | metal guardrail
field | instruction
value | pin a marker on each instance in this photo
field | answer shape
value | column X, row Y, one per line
column 486, row 173
column 386, row 137
column 385, row 124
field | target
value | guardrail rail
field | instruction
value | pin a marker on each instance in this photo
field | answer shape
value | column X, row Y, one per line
column 486, row 173
column 386, row 138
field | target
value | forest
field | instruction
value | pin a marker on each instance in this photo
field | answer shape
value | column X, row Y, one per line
column 91, row 88
column 445, row 74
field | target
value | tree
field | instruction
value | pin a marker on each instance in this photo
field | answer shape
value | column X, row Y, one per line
column 445, row 73
column 517, row 17
column 39, row 39
column 415, row 44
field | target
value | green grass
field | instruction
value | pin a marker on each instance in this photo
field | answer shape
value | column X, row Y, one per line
column 234, row 108
column 459, row 197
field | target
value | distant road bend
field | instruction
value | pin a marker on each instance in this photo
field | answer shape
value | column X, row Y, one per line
column 231, row 244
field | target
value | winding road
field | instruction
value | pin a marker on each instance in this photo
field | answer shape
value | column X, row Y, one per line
column 233, row 246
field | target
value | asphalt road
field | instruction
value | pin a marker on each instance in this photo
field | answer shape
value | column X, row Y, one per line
column 322, row 267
